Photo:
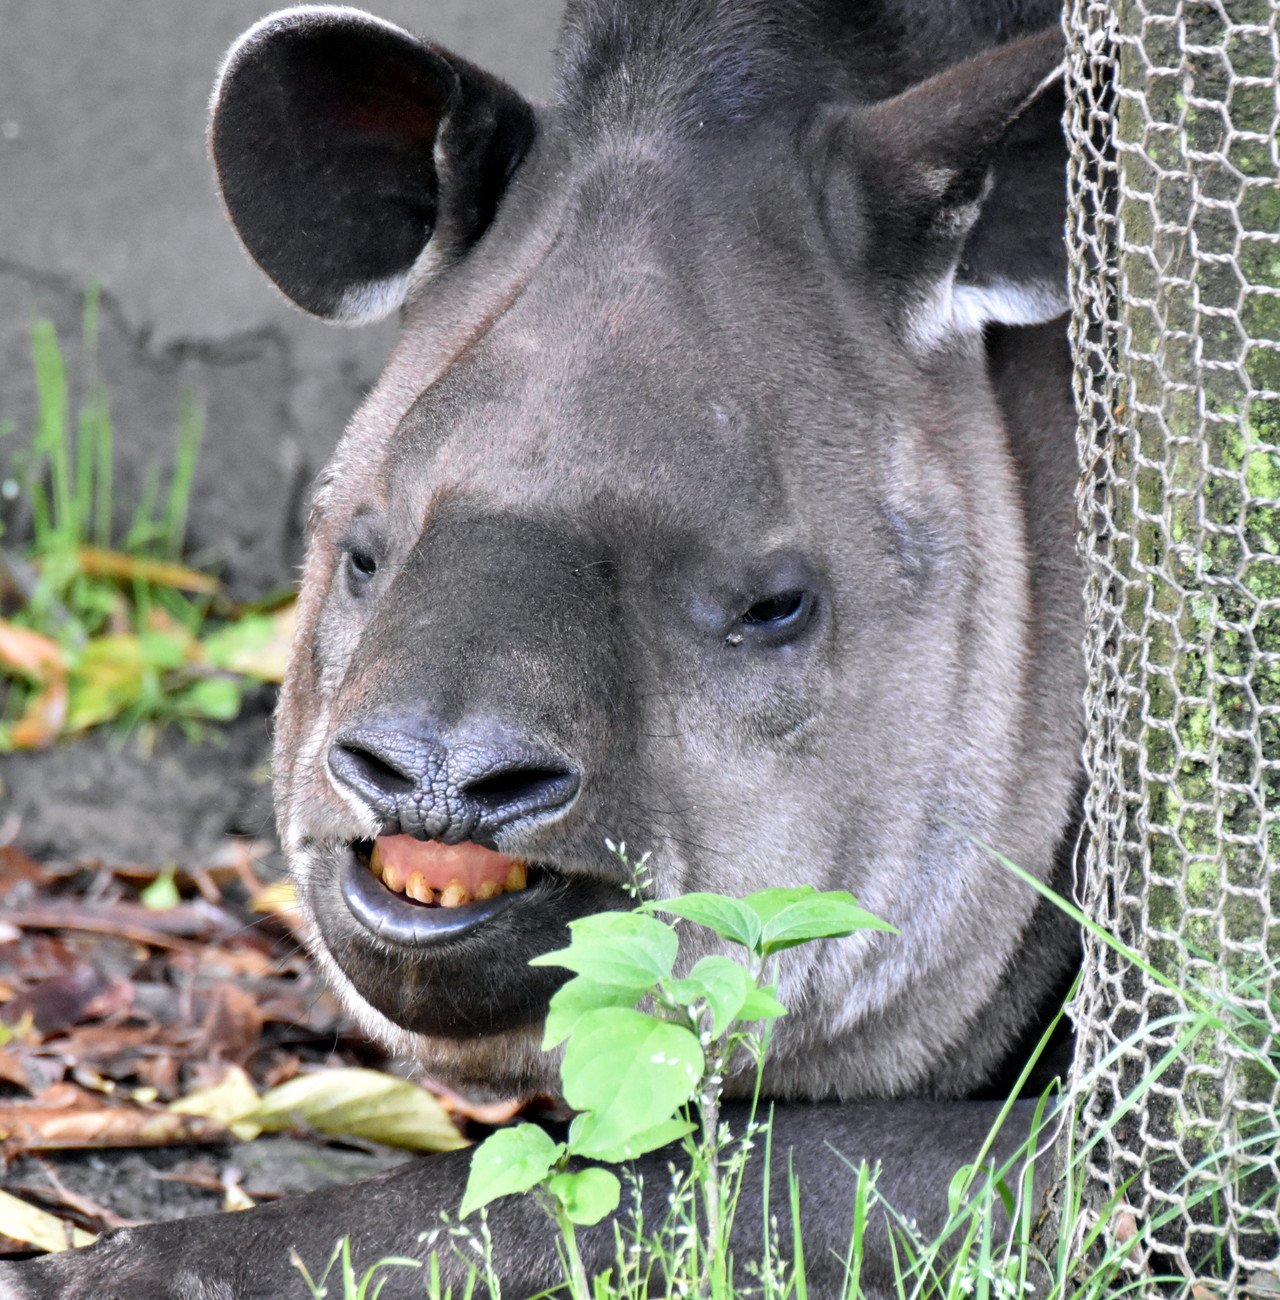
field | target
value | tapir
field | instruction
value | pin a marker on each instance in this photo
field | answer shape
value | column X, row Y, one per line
column 716, row 498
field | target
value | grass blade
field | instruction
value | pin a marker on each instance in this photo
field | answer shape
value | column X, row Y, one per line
column 190, row 435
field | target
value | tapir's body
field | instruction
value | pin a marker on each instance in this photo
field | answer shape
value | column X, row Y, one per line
column 717, row 498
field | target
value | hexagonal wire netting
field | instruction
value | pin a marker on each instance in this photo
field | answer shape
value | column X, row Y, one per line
column 1173, row 118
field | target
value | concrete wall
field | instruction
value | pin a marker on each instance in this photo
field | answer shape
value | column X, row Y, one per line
column 103, row 176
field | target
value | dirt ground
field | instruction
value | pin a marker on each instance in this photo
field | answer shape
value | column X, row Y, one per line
column 120, row 996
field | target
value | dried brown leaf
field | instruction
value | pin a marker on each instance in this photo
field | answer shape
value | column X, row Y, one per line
column 58, row 1002
column 28, row 1126
column 98, row 563
column 29, row 653
column 231, row 1028
column 16, row 868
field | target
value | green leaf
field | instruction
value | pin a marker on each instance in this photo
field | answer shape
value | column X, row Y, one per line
column 255, row 645
column 164, row 649
column 652, row 1139
column 957, row 1188
column 359, row 1103
column 718, row 981
column 509, row 1161
column 760, row 1004
column 794, row 916
column 573, row 1000
column 730, row 918
column 161, row 894
column 630, row 1072
column 624, row 949
column 588, row 1195
column 217, row 698
column 767, row 903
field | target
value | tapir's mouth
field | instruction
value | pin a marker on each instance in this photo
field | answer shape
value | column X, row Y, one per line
column 421, row 892
column 447, row 968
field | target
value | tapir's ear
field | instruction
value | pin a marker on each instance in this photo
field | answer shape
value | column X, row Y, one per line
column 965, row 181
column 343, row 145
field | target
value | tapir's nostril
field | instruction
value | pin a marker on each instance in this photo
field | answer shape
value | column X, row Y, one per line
column 520, row 790
column 377, row 768
column 450, row 788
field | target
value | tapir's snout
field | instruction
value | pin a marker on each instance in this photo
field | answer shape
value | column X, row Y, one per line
column 469, row 785
column 473, row 747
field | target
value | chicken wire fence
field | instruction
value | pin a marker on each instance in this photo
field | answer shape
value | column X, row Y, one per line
column 1173, row 117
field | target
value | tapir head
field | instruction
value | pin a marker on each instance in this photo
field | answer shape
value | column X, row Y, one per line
column 682, row 515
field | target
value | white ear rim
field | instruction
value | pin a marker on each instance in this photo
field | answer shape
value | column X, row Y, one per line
column 282, row 20
column 963, row 311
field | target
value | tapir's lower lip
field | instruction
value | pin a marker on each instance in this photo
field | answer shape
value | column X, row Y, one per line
column 394, row 918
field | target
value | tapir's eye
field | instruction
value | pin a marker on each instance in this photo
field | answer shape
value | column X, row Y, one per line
column 782, row 608
column 361, row 553
column 767, row 603
column 361, row 565
column 775, row 619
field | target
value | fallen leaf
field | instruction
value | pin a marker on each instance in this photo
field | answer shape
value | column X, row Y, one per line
column 256, row 645
column 160, row 1073
column 280, row 1067
column 225, row 1102
column 28, row 1126
column 112, row 1050
column 162, row 893
column 13, row 1071
column 231, row 1025
column 197, row 920
column 361, row 1104
column 113, row 673
column 234, row 1197
column 238, row 961
column 30, row 653
column 57, row 1003
column 279, row 898
column 98, row 563
column 26, row 1222
column 42, row 661
column 17, row 868
column 492, row 1113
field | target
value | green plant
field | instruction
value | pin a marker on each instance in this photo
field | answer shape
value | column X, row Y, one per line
column 364, row 1286
column 990, row 1246
column 91, row 634
column 640, row 1079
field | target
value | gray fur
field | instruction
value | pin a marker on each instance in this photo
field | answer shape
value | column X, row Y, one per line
column 725, row 323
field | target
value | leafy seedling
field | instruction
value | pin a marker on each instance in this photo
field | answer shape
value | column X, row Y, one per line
column 646, row 1051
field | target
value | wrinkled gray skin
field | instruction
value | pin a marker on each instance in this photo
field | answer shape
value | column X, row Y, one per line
column 725, row 324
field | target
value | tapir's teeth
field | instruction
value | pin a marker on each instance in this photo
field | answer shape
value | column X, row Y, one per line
column 375, row 861
column 395, row 876
column 454, row 894
column 401, row 879
column 419, row 890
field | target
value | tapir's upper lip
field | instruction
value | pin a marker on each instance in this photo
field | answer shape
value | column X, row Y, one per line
column 392, row 917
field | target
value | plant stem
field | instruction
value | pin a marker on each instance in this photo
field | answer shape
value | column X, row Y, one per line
column 711, row 1173
column 577, row 1274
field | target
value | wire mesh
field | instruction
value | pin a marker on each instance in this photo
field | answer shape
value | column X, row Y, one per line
column 1173, row 118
